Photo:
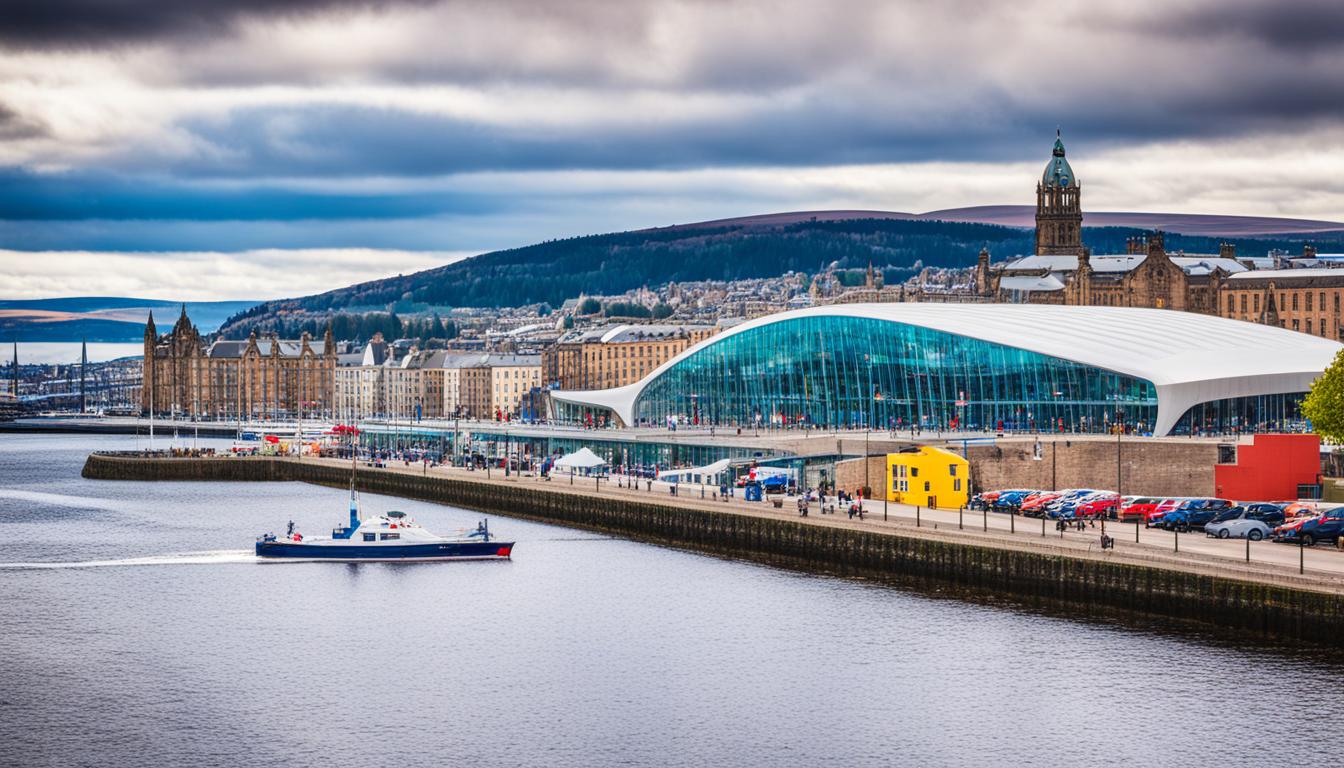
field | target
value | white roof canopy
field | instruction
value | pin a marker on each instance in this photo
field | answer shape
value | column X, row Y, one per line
column 1189, row 357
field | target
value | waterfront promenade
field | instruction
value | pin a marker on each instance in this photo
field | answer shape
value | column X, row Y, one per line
column 1322, row 565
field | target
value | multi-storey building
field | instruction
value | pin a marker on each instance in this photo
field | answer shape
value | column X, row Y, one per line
column 1306, row 300
column 235, row 379
column 616, row 355
column 488, row 385
column 358, row 386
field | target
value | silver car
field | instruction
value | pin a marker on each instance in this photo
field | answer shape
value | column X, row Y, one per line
column 1237, row 523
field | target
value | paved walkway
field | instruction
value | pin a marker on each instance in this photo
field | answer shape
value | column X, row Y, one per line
column 1193, row 552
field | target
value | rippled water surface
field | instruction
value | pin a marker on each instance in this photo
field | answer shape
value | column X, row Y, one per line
column 136, row 629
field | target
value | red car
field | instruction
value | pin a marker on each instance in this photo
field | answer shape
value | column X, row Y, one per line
column 1158, row 512
column 1037, row 501
column 1138, row 509
column 1099, row 506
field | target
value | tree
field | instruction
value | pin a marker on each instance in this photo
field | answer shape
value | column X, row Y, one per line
column 590, row 306
column 661, row 311
column 1324, row 404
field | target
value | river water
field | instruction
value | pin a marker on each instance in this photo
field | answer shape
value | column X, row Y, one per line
column 136, row 629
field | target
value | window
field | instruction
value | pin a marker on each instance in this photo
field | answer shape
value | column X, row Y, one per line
column 1308, row 322
column 1243, row 303
column 370, row 536
column 1295, row 301
column 914, row 471
column 926, row 486
column 1308, row 302
column 1255, row 300
column 391, row 536
column 952, row 470
column 956, row 484
column 1295, row 326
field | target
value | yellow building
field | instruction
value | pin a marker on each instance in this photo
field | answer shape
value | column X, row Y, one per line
column 928, row 477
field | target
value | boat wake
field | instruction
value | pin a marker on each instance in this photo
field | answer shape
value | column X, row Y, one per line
column 61, row 499
column 216, row 557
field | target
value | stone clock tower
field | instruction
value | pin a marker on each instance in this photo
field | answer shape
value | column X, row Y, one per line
column 1059, row 212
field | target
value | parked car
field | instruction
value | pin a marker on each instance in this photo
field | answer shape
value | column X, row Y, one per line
column 1327, row 527
column 1295, row 509
column 1034, row 505
column 1066, row 502
column 1192, row 514
column 1269, row 513
column 1239, row 522
column 1102, row 504
column 1163, row 508
column 1287, row 532
column 1137, row 509
column 1009, row 501
column 982, row 501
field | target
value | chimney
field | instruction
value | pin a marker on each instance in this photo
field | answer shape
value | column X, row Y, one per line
column 1227, row 251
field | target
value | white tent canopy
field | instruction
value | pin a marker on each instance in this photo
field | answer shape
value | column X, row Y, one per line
column 580, row 460
column 710, row 474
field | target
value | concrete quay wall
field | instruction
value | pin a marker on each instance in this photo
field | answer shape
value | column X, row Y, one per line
column 1079, row 584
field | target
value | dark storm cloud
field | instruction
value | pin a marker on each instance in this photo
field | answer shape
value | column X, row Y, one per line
column 35, row 24
column 95, row 195
column 16, row 126
column 1292, row 25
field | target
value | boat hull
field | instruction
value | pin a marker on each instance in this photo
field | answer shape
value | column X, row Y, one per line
column 441, row 550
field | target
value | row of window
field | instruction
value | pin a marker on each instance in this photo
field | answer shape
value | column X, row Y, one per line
column 1302, row 300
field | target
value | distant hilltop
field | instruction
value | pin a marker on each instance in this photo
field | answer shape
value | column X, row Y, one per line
column 99, row 318
column 1024, row 216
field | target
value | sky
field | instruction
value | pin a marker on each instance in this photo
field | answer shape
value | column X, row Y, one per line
column 205, row 149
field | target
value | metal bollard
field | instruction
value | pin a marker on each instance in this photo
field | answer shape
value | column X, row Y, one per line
column 1248, row 548
column 985, row 522
column 1012, row 522
column 1176, row 536
column 960, row 510
column 916, row 515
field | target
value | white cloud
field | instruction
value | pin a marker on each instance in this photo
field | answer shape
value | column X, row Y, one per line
column 203, row 275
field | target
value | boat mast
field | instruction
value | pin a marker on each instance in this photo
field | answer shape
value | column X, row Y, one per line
column 354, row 462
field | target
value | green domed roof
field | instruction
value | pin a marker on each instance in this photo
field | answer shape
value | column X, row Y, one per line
column 1057, row 171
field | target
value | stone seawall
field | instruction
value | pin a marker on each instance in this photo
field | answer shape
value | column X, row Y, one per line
column 1083, row 585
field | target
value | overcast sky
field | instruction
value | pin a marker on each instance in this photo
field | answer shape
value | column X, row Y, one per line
column 275, row 147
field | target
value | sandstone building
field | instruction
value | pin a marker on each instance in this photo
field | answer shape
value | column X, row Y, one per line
column 256, row 378
column 617, row 355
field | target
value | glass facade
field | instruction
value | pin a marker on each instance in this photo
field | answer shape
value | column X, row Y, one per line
column 851, row 372
column 1262, row 413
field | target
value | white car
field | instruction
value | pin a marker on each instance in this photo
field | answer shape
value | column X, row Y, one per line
column 1238, row 523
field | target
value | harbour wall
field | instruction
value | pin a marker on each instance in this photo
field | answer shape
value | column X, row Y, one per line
column 1084, row 586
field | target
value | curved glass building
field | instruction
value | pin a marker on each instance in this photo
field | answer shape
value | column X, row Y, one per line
column 977, row 367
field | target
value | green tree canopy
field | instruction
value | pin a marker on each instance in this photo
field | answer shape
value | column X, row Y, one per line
column 1324, row 404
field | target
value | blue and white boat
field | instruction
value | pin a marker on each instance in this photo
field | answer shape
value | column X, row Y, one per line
column 390, row 537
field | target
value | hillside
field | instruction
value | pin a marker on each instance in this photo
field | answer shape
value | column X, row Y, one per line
column 753, row 247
